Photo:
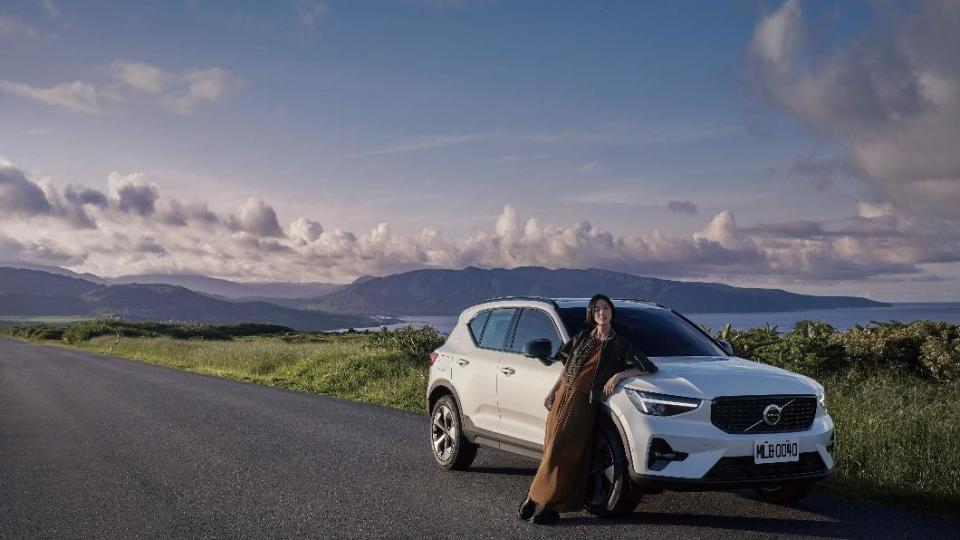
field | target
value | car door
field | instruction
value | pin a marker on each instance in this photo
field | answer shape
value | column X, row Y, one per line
column 475, row 373
column 523, row 383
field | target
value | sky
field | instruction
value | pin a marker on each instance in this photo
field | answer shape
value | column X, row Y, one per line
column 811, row 146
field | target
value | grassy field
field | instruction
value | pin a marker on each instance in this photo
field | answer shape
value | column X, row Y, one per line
column 898, row 425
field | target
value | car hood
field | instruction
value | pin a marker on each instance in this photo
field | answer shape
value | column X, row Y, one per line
column 707, row 377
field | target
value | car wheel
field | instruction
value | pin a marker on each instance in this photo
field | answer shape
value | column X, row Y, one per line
column 610, row 492
column 786, row 493
column 450, row 448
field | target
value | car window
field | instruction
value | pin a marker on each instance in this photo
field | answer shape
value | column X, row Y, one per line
column 477, row 324
column 535, row 324
column 495, row 333
column 656, row 332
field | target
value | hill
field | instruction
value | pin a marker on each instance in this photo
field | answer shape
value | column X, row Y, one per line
column 32, row 292
column 265, row 290
column 447, row 292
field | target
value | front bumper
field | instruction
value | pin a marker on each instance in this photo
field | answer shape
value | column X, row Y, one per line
column 713, row 458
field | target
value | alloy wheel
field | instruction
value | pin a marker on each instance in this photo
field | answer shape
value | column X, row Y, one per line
column 443, row 432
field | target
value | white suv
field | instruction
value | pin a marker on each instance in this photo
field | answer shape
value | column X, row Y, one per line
column 706, row 420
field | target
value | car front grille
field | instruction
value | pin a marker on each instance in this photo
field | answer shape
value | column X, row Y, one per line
column 737, row 469
column 744, row 414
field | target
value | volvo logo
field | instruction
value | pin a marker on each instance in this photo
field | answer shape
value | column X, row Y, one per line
column 771, row 415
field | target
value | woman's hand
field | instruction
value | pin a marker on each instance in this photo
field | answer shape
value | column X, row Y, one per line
column 548, row 402
column 612, row 384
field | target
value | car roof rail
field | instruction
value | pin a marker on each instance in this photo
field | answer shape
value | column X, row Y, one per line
column 645, row 301
column 534, row 298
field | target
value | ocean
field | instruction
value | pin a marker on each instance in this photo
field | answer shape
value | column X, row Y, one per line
column 842, row 318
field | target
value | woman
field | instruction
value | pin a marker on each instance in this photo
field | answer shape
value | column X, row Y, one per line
column 594, row 360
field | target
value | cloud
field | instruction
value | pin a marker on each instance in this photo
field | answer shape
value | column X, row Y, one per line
column 138, row 228
column 133, row 193
column 141, row 76
column 892, row 97
column 682, row 207
column 78, row 95
column 201, row 86
column 20, row 196
column 305, row 230
column 429, row 143
column 12, row 250
column 80, row 195
column 180, row 92
column 256, row 217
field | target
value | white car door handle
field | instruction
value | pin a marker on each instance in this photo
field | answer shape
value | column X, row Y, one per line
column 507, row 371
column 462, row 362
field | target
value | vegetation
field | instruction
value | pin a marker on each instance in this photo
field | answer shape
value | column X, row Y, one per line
column 892, row 388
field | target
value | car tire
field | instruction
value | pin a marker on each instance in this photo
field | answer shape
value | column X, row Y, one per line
column 786, row 493
column 610, row 491
column 449, row 446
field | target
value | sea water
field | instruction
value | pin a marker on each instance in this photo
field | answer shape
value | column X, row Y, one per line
column 841, row 318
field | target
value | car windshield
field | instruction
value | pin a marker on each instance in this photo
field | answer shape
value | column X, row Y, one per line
column 656, row 332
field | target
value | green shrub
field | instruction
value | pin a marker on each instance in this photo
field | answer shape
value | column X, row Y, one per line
column 86, row 331
column 415, row 343
column 940, row 358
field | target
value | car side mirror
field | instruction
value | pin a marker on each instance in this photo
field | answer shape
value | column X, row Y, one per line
column 726, row 346
column 541, row 349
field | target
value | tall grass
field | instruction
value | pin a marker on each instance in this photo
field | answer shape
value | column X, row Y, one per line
column 898, row 440
column 346, row 366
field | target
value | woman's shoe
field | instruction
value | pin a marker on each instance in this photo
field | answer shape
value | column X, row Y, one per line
column 527, row 508
column 546, row 517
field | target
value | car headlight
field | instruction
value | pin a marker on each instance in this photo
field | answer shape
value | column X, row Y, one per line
column 661, row 404
column 822, row 399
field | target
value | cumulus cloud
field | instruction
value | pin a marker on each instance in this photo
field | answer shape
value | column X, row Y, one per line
column 256, row 217
column 78, row 95
column 80, row 195
column 140, row 229
column 892, row 97
column 682, row 207
column 20, row 196
column 133, row 193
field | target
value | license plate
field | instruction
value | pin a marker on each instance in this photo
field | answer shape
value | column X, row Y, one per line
column 776, row 450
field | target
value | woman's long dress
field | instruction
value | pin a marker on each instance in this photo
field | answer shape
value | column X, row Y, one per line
column 561, row 480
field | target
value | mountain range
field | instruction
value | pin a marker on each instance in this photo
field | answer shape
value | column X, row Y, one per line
column 26, row 292
column 447, row 292
column 368, row 301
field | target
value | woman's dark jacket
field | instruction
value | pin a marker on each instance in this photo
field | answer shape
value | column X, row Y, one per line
column 618, row 355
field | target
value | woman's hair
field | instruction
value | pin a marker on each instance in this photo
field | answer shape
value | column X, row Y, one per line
column 593, row 302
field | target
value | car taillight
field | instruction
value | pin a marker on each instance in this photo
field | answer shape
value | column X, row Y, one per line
column 433, row 357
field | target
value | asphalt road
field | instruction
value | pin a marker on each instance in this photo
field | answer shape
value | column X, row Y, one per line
column 93, row 446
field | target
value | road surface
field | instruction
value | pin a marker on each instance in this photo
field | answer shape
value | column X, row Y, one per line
column 93, row 446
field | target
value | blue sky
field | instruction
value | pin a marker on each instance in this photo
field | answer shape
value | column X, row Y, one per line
column 321, row 141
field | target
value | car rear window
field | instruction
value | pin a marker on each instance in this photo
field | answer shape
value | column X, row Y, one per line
column 656, row 332
column 495, row 332
column 476, row 325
